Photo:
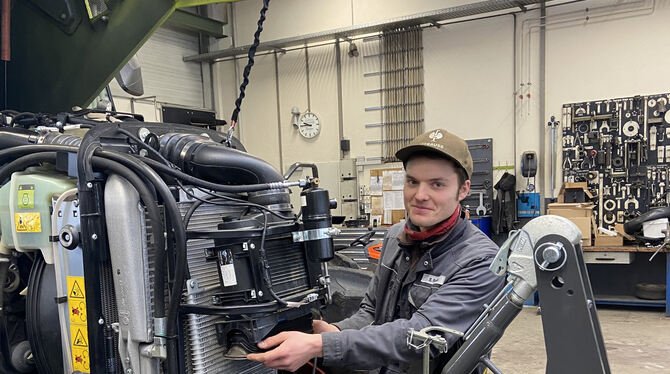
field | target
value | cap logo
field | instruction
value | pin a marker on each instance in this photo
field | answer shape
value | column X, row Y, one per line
column 435, row 135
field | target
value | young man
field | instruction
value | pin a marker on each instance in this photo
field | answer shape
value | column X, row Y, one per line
column 434, row 271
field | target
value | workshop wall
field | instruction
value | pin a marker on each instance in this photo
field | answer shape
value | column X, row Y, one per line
column 618, row 55
column 469, row 71
column 166, row 77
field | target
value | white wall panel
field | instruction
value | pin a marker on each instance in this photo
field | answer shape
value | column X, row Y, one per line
column 164, row 73
column 468, row 82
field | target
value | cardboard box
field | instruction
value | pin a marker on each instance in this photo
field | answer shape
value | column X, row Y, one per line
column 574, row 186
column 619, row 229
column 608, row 241
column 581, row 214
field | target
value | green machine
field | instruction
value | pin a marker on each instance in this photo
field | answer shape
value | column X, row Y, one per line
column 61, row 53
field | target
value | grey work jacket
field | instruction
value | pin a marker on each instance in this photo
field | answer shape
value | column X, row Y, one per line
column 448, row 287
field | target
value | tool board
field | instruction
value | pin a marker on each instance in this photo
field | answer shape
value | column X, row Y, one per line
column 621, row 148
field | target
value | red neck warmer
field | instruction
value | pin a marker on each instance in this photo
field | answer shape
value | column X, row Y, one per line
column 440, row 229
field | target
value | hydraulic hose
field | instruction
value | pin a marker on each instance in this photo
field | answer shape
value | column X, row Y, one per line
column 174, row 216
column 163, row 169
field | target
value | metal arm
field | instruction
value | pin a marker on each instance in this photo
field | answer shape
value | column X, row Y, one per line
column 545, row 256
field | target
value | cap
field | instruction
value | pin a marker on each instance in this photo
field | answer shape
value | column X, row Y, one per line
column 442, row 142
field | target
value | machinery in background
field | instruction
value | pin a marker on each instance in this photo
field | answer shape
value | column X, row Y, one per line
column 150, row 248
column 621, row 149
column 546, row 256
column 528, row 202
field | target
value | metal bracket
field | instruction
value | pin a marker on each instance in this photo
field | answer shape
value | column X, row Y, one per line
column 314, row 234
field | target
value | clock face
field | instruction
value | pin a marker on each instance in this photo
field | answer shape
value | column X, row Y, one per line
column 309, row 125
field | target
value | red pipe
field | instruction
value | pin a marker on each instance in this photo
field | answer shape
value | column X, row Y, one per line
column 5, row 50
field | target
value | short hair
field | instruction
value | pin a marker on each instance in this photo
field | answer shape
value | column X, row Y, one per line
column 460, row 171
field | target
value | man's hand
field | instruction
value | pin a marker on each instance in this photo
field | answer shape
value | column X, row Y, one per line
column 320, row 326
column 293, row 351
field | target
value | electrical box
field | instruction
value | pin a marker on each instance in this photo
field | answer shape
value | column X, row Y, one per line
column 528, row 205
column 348, row 169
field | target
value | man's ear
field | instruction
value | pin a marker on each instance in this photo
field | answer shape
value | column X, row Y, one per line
column 464, row 190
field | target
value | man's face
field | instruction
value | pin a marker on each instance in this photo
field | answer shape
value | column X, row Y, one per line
column 431, row 191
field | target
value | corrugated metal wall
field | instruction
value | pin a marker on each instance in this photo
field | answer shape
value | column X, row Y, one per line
column 164, row 73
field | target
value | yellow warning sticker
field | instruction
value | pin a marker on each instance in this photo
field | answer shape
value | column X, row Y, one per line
column 76, row 300
column 79, row 344
column 76, row 295
column 27, row 222
column 26, row 198
column 77, row 312
column 80, row 360
column 75, row 288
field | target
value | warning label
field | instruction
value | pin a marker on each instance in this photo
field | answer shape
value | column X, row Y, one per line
column 79, row 344
column 78, row 312
column 80, row 360
column 76, row 300
column 76, row 292
column 26, row 198
column 79, row 339
column 78, row 328
column 27, row 222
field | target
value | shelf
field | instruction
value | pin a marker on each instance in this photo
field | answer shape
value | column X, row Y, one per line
column 622, row 249
column 627, row 300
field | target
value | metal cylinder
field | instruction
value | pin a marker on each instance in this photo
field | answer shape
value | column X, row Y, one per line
column 483, row 338
column 316, row 215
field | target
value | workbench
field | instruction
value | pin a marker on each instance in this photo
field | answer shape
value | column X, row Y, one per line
column 614, row 284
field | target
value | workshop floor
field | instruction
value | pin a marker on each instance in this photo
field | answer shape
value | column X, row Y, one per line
column 637, row 341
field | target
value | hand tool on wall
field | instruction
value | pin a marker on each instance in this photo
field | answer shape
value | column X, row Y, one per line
column 481, row 209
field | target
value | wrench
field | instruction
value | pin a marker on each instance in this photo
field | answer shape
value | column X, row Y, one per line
column 481, row 209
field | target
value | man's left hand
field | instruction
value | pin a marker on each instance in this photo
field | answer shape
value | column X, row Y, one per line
column 293, row 351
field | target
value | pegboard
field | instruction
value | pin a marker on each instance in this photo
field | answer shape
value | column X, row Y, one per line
column 481, row 180
column 621, row 148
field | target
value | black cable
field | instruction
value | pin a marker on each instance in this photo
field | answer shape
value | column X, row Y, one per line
column 205, row 184
column 234, row 202
column 250, row 63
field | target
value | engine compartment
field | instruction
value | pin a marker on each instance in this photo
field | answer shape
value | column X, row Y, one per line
column 150, row 248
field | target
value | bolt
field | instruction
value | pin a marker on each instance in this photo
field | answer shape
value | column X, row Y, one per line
column 101, row 322
column 252, row 246
column 89, row 185
column 192, row 283
column 63, row 16
column 94, row 236
column 260, row 293
column 129, row 371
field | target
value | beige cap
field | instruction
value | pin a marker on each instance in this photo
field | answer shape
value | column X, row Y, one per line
column 442, row 142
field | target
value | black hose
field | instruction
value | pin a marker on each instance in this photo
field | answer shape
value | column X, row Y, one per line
column 174, row 216
column 156, row 227
column 32, row 148
column 250, row 63
column 205, row 184
column 146, row 195
column 23, row 162
column 633, row 226
column 265, row 271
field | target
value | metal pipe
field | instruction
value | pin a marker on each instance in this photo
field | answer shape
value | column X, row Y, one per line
column 279, row 126
column 340, row 110
column 484, row 337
